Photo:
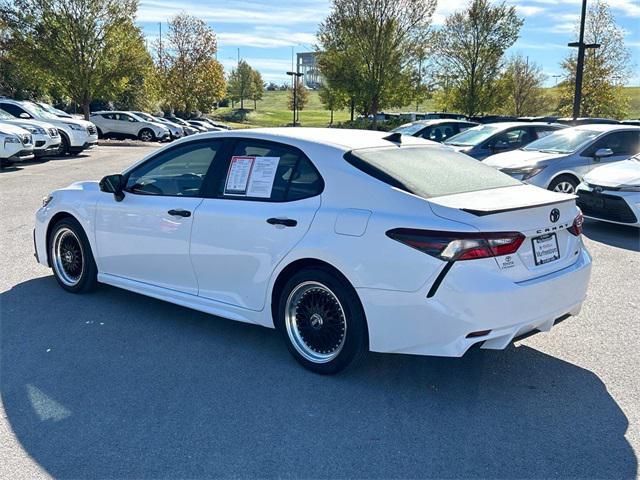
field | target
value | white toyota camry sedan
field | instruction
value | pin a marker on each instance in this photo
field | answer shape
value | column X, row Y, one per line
column 343, row 240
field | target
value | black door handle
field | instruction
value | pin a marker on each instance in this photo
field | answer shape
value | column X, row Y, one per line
column 287, row 222
column 179, row 213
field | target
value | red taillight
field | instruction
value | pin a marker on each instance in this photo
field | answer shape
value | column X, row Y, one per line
column 453, row 246
column 576, row 228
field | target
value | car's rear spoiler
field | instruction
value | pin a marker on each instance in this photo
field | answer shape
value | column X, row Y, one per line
column 483, row 212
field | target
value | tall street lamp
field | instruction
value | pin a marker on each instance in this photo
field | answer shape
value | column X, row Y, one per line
column 294, row 79
column 582, row 47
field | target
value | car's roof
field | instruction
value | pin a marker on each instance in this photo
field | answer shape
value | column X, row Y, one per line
column 346, row 139
column 436, row 121
column 505, row 125
column 605, row 127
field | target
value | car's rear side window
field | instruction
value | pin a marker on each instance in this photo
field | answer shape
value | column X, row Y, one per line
column 428, row 171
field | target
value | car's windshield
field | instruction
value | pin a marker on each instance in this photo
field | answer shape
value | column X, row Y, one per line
column 55, row 111
column 38, row 111
column 473, row 136
column 409, row 128
column 427, row 171
column 144, row 116
column 563, row 141
column 6, row 116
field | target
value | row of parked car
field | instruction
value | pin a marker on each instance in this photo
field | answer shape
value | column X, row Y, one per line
column 598, row 162
column 149, row 128
column 35, row 129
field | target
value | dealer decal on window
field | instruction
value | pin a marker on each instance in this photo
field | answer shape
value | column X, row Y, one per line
column 251, row 176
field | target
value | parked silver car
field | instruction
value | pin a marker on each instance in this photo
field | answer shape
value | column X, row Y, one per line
column 485, row 140
column 175, row 130
column 559, row 161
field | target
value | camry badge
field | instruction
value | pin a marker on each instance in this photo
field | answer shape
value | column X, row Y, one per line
column 554, row 216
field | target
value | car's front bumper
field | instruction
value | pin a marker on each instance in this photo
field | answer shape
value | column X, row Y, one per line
column 45, row 145
column 611, row 206
column 472, row 299
column 81, row 139
column 22, row 155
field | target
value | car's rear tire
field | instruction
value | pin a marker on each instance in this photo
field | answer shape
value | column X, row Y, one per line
column 99, row 132
column 564, row 184
column 322, row 321
column 70, row 257
column 146, row 135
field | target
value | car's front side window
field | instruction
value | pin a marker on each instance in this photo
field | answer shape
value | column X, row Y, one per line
column 177, row 172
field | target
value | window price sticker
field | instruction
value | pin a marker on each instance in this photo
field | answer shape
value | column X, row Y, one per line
column 251, row 176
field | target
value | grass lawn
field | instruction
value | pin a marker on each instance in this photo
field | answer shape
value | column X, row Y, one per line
column 272, row 111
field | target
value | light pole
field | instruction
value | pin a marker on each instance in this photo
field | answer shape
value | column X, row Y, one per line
column 582, row 47
column 294, row 79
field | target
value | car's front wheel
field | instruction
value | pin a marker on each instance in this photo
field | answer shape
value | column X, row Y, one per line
column 322, row 321
column 70, row 256
column 564, row 184
column 146, row 135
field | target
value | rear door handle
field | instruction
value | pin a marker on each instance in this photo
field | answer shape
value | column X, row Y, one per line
column 287, row 222
column 179, row 213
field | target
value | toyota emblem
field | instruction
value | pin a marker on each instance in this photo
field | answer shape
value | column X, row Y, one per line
column 554, row 216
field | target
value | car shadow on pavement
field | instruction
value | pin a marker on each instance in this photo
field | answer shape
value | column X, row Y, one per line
column 114, row 385
column 620, row 236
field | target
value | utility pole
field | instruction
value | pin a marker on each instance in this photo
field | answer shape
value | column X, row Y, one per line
column 582, row 47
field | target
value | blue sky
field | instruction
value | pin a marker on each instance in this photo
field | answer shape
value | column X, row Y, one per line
column 266, row 31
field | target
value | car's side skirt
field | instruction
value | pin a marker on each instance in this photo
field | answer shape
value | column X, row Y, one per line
column 194, row 302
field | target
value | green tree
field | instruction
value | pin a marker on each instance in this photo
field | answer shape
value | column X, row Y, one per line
column 301, row 96
column 257, row 88
column 470, row 48
column 606, row 69
column 192, row 77
column 521, row 88
column 86, row 49
column 376, row 42
column 241, row 83
column 332, row 99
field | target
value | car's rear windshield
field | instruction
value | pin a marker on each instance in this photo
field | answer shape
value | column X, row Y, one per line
column 428, row 171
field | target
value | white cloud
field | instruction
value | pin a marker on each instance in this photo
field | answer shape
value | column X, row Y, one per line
column 238, row 12
column 262, row 37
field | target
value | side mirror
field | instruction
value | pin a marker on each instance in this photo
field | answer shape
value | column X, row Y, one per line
column 113, row 184
column 25, row 115
column 602, row 153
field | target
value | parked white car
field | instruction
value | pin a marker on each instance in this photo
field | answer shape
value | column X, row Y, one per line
column 611, row 193
column 46, row 138
column 128, row 125
column 343, row 240
column 76, row 135
column 175, row 130
column 560, row 160
column 16, row 145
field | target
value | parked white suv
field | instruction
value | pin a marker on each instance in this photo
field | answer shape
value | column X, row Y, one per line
column 128, row 125
column 46, row 138
column 16, row 144
column 76, row 135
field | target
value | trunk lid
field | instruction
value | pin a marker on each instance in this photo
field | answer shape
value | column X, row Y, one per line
column 526, row 209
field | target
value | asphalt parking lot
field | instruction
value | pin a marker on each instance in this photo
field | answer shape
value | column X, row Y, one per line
column 117, row 385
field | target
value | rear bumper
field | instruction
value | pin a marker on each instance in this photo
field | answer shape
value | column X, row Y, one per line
column 472, row 299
